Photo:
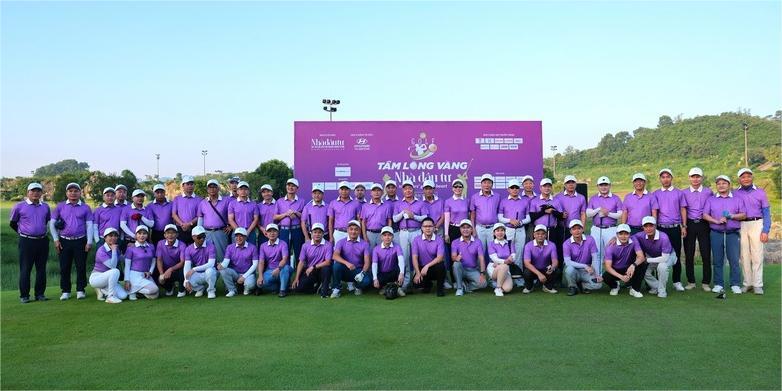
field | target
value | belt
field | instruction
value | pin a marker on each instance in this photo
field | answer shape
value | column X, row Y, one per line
column 377, row 231
column 409, row 229
column 605, row 226
column 341, row 229
column 696, row 221
column 486, row 226
column 732, row 231
column 636, row 227
column 753, row 218
column 291, row 227
column 668, row 225
column 73, row 237
column 32, row 237
column 214, row 229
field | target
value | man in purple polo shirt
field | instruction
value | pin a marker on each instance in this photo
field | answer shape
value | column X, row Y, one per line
column 351, row 262
column 29, row 219
column 638, row 204
column 573, row 203
column 375, row 214
column 697, row 229
column 213, row 216
column 671, row 215
column 408, row 212
column 514, row 213
column 605, row 210
column 200, row 273
column 434, row 207
column 654, row 247
column 391, row 198
column 547, row 210
column 315, row 211
column 267, row 208
column 71, row 229
column 468, row 262
column 541, row 262
column 233, row 188
column 136, row 215
column 314, row 267
column 121, row 199
column 388, row 263
column 341, row 211
column 621, row 265
column 724, row 213
column 582, row 262
column 106, row 215
column 239, row 264
column 288, row 217
column 161, row 213
column 428, row 251
column 170, row 253
column 184, row 209
column 754, row 231
column 243, row 212
column 484, row 206
column 359, row 191
column 274, row 270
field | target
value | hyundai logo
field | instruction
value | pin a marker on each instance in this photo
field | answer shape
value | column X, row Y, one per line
column 362, row 141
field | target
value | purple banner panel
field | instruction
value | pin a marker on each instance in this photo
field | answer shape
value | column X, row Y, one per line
column 375, row 151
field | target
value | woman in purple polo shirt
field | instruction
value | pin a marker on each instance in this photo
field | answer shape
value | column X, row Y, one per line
column 501, row 254
column 724, row 212
column 139, row 264
column 105, row 275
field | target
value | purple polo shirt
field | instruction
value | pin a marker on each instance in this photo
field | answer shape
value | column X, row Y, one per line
column 468, row 250
column 284, row 205
column 548, row 220
column 199, row 255
column 653, row 247
column 272, row 253
column 106, row 216
column 669, row 204
column 75, row 216
column 102, row 255
column 313, row 254
column 353, row 252
column 140, row 257
column 312, row 214
column 502, row 250
column 755, row 200
column 186, row 207
column 636, row 208
column 621, row 255
column 211, row 219
column 170, row 254
column 244, row 212
column 574, row 205
column 386, row 257
column 32, row 218
column 391, row 202
column 514, row 208
column 611, row 202
column 428, row 250
column 459, row 208
column 266, row 211
column 485, row 208
column 417, row 207
column 241, row 256
column 540, row 256
column 375, row 216
column 128, row 212
column 343, row 212
column 161, row 211
column 717, row 204
column 581, row 253
column 434, row 208
column 696, row 200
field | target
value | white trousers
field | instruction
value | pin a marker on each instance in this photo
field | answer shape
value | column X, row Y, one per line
column 602, row 236
column 108, row 283
column 661, row 282
column 406, row 242
column 751, row 258
column 205, row 279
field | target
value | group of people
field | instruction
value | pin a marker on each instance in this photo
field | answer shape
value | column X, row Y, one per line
column 527, row 238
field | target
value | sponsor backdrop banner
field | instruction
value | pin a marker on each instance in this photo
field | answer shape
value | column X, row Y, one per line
column 375, row 151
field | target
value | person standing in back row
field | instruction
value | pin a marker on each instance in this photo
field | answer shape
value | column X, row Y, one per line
column 29, row 218
column 698, row 230
column 184, row 210
column 671, row 215
column 71, row 228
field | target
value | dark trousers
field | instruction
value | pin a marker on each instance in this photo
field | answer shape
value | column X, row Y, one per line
column 675, row 236
column 634, row 229
column 156, row 237
column 32, row 252
column 551, row 279
column 177, row 276
column 697, row 231
column 454, row 233
column 557, row 236
column 385, row 277
column 294, row 238
column 529, row 230
column 73, row 252
column 635, row 281
column 185, row 236
column 307, row 283
column 435, row 273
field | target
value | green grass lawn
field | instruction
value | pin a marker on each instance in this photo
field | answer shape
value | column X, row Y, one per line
column 689, row 340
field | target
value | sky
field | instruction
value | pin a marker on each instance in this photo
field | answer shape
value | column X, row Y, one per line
column 114, row 83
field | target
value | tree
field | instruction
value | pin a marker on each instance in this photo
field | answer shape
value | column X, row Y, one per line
column 63, row 180
column 664, row 121
column 99, row 181
column 62, row 167
column 274, row 172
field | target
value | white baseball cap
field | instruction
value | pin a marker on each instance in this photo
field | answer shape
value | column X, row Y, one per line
column 318, row 226
column 36, row 185
column 292, row 181
column 623, row 228
column 139, row 192
column 668, row 170
column 267, row 187
column 354, row 222
column 744, row 171
column 186, row 179
column 545, row 181
column 272, row 226
column 497, row 226
column 345, row 184
column 407, row 182
column 513, row 182
column 72, row 184
column 240, row 231
column 639, row 175
column 569, row 178
column 198, row 230
column 158, row 187
column 120, row 186
column 465, row 221
column 603, row 180
column 487, row 176
column 390, row 182
column 457, row 180
column 106, row 190
column 170, row 226
column 243, row 184
column 575, row 222
column 527, row 178
column 540, row 227
column 695, row 171
column 317, row 187
column 142, row 227
column 648, row 220
column 109, row 231
column 234, row 179
column 213, row 182
column 723, row 177
column 376, row 186
column 387, row 230
column 359, row 184
column 429, row 183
